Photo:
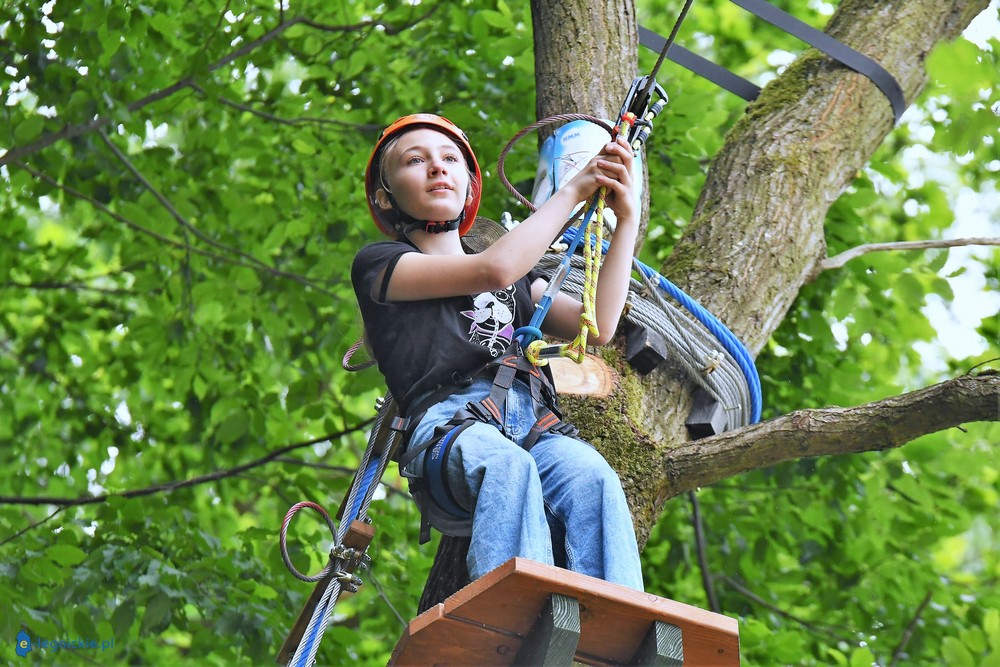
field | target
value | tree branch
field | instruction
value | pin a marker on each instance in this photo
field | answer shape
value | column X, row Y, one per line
column 826, row 630
column 840, row 259
column 183, row 483
column 385, row 598
column 908, row 633
column 171, row 209
column 11, row 538
column 302, row 120
column 884, row 424
column 702, row 550
column 75, row 287
column 344, row 470
column 17, row 153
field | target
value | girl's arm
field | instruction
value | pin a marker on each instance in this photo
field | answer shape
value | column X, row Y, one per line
column 428, row 276
column 563, row 319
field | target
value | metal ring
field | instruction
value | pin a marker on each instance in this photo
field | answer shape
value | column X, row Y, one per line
column 284, row 534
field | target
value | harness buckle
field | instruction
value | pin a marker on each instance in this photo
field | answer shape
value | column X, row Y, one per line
column 483, row 412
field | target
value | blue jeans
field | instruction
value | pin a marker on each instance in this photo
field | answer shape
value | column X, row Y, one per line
column 559, row 504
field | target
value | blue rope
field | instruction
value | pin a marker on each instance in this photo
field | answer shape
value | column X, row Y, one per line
column 532, row 332
column 311, row 639
column 727, row 338
column 366, row 482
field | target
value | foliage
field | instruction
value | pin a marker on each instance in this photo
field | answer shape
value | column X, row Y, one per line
column 175, row 301
column 856, row 549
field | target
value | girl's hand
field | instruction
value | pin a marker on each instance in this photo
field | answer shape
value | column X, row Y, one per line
column 611, row 168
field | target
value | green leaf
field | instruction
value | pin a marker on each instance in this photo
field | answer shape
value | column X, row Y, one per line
column 991, row 626
column 42, row 571
column 910, row 290
column 232, row 427
column 29, row 129
column 862, row 657
column 65, row 554
column 122, row 617
column 157, row 614
column 83, row 625
column 955, row 654
column 303, row 147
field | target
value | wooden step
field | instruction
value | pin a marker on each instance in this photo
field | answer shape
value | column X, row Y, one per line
column 488, row 621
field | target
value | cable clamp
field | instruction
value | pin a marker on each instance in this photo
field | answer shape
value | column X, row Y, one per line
column 352, row 558
column 713, row 362
column 348, row 581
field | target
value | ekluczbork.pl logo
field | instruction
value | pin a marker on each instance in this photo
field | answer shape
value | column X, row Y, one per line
column 23, row 644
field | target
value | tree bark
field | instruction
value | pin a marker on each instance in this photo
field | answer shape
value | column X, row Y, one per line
column 757, row 230
column 580, row 47
column 755, row 238
column 884, row 424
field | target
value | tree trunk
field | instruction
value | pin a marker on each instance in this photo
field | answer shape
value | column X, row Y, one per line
column 756, row 234
column 757, row 230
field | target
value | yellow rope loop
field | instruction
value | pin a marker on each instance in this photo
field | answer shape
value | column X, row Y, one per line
column 588, row 324
column 594, row 234
column 592, row 242
column 574, row 351
column 531, row 353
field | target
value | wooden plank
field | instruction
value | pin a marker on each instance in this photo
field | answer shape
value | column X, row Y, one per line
column 613, row 619
column 435, row 639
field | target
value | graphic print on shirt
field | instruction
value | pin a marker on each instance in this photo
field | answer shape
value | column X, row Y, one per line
column 492, row 320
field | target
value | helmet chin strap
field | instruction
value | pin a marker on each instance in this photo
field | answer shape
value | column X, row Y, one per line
column 406, row 223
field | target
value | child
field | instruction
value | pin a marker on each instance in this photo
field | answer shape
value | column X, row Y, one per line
column 486, row 454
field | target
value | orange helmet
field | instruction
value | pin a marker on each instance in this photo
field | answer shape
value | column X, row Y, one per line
column 388, row 222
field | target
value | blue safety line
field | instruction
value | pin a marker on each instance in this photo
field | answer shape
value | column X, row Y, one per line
column 362, row 490
column 311, row 639
column 532, row 332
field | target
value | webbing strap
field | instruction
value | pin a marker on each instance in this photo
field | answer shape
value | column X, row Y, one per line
column 435, row 468
column 832, row 47
column 703, row 67
column 433, row 478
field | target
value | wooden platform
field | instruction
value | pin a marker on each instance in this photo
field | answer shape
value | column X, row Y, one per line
column 487, row 622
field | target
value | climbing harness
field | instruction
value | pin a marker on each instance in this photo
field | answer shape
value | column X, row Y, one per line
column 437, row 503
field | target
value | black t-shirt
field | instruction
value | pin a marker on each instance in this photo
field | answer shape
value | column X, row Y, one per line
column 421, row 345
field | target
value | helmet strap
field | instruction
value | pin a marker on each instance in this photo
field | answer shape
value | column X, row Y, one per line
column 406, row 223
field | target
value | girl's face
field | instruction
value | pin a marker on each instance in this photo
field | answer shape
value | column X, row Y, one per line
column 427, row 174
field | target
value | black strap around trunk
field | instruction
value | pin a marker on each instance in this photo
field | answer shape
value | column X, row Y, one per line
column 749, row 91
